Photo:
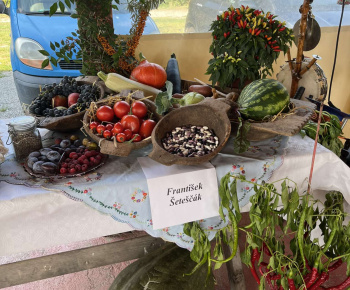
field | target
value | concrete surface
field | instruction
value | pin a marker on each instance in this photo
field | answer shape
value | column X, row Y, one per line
column 9, row 103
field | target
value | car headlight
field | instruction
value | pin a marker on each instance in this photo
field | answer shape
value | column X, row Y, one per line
column 27, row 51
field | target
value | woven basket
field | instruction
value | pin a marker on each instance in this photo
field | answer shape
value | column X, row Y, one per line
column 67, row 123
column 112, row 147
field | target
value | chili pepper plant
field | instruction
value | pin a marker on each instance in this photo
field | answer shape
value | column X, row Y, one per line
column 280, row 251
column 245, row 44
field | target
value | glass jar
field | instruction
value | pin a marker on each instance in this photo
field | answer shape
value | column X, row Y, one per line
column 25, row 136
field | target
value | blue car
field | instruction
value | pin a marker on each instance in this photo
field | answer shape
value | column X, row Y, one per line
column 32, row 29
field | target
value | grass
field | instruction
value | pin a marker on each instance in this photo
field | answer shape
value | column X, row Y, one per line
column 170, row 25
column 5, row 63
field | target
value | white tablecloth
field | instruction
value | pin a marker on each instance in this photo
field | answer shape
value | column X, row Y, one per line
column 39, row 221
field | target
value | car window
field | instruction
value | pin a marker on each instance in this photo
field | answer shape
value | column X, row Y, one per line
column 179, row 16
column 39, row 6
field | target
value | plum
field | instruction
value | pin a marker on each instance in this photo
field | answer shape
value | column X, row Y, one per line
column 53, row 156
column 49, row 167
column 77, row 143
column 34, row 154
column 44, row 151
column 31, row 161
column 37, row 167
column 43, row 158
column 65, row 143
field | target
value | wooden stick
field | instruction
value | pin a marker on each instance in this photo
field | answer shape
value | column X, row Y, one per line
column 204, row 84
column 290, row 62
column 311, row 63
column 301, row 37
column 315, row 147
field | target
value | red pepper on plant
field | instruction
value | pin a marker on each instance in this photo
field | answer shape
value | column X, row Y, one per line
column 323, row 278
column 335, row 266
column 254, row 257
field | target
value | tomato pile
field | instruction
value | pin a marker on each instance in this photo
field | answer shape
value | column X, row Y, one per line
column 123, row 122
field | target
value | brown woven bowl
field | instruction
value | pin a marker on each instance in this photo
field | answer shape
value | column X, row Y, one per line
column 66, row 123
column 112, row 147
column 211, row 113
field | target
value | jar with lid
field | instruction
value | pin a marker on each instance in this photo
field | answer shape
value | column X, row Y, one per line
column 25, row 136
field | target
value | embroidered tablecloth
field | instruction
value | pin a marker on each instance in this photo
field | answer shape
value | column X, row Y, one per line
column 119, row 188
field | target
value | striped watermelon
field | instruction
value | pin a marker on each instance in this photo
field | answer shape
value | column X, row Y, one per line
column 261, row 98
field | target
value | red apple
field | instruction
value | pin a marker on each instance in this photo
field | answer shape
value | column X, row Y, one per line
column 59, row 101
column 73, row 99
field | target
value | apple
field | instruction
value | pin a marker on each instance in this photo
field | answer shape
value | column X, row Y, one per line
column 73, row 99
column 59, row 101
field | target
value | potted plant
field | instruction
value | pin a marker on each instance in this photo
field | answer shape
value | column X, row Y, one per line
column 245, row 44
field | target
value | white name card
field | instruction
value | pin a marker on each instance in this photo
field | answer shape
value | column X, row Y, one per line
column 180, row 194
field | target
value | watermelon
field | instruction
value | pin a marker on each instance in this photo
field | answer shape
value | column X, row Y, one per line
column 262, row 98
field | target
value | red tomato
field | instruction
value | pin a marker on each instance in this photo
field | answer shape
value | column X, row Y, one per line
column 107, row 134
column 105, row 113
column 118, row 128
column 121, row 109
column 139, row 109
column 128, row 134
column 131, row 122
column 109, row 127
column 100, row 129
column 136, row 138
column 147, row 128
column 93, row 126
column 121, row 137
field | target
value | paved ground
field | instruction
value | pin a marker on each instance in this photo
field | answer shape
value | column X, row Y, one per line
column 9, row 103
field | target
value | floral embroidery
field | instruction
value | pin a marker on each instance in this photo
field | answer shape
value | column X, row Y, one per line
column 68, row 183
column 139, row 192
column 117, row 205
column 133, row 214
column 165, row 229
column 149, row 222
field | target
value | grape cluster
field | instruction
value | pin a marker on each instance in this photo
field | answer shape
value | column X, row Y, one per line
column 42, row 105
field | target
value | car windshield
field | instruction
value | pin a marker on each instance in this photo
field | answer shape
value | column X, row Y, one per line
column 43, row 7
column 40, row 7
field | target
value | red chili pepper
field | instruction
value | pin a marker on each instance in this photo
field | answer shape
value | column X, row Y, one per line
column 230, row 17
column 275, row 277
column 250, row 30
column 273, row 42
column 215, row 37
column 255, row 256
column 264, row 246
column 277, row 50
column 291, row 284
column 217, row 17
column 281, row 29
column 234, row 22
column 269, row 38
column 245, row 24
column 238, row 12
column 258, row 32
column 225, row 35
column 226, row 14
column 323, row 278
column 275, row 47
column 279, row 25
column 341, row 286
column 335, row 266
column 307, row 265
column 228, row 33
column 314, row 276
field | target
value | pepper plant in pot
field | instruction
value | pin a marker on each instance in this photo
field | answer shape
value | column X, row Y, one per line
column 246, row 42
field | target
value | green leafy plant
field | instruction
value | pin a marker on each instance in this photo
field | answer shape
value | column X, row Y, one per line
column 329, row 133
column 95, row 43
column 245, row 44
column 280, row 233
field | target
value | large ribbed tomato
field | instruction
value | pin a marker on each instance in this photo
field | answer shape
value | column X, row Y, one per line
column 148, row 73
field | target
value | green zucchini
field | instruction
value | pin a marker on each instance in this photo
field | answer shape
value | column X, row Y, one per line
column 173, row 74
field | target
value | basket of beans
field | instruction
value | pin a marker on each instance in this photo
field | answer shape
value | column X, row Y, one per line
column 121, row 124
column 193, row 134
column 61, row 107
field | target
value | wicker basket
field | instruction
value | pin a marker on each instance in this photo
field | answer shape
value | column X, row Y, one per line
column 112, row 147
column 67, row 123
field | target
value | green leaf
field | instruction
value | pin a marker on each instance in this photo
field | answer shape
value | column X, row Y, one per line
column 52, row 46
column 246, row 257
column 285, row 195
column 53, row 61
column 53, row 9
column 68, row 3
column 44, row 52
column 241, row 144
column 163, row 99
column 45, row 63
column 61, row 5
column 74, row 16
column 234, row 199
